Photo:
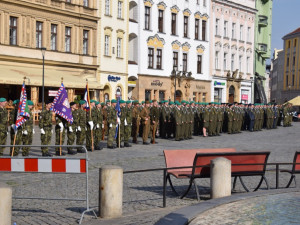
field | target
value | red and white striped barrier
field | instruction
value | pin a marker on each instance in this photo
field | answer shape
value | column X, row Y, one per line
column 43, row 165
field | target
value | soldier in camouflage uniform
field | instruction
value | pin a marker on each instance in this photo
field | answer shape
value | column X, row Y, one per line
column 60, row 133
column 45, row 125
column 81, row 125
column 28, row 131
column 3, row 123
column 136, row 119
column 178, row 122
column 71, row 128
column 112, row 122
column 105, row 114
column 91, row 118
column 121, row 129
column 98, row 127
column 128, row 124
column 15, row 134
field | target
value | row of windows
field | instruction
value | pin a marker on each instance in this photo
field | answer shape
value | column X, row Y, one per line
column 174, row 24
column 233, row 66
column 108, row 8
column 152, row 60
column 226, row 32
column 107, row 46
column 13, row 37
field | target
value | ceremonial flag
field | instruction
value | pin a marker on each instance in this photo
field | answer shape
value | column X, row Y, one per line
column 118, row 108
column 86, row 98
column 61, row 105
column 23, row 110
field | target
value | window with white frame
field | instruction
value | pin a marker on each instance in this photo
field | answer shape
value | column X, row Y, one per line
column 68, row 39
column 106, row 45
column 53, row 36
column 184, row 62
column 249, row 34
column 13, row 28
column 107, row 7
column 241, row 32
column 119, row 47
column 39, row 34
column 225, row 61
column 225, row 29
column 232, row 62
column 85, row 42
column 86, row 3
column 217, row 60
column 240, row 63
column 147, row 17
column 217, row 26
column 233, row 31
column 204, row 3
column 159, row 59
column 120, row 9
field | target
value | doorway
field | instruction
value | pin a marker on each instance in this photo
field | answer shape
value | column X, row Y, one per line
column 178, row 95
column 231, row 94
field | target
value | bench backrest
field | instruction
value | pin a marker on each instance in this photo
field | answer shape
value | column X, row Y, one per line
column 296, row 168
column 185, row 157
column 202, row 159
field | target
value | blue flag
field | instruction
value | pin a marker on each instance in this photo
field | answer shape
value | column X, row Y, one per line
column 61, row 105
column 118, row 115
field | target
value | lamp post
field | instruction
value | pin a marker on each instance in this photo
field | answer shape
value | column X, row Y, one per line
column 251, row 78
column 180, row 74
column 43, row 85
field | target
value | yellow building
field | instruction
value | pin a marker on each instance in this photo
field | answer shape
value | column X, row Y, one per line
column 291, row 72
column 68, row 31
column 113, row 48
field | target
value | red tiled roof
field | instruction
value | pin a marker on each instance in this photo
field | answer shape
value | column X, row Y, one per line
column 294, row 32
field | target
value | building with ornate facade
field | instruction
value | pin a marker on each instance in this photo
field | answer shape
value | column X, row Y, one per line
column 166, row 38
column 276, row 76
column 68, row 31
column 113, row 48
column 232, row 50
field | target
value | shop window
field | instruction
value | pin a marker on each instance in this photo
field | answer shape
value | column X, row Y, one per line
column 106, row 97
column 218, row 95
column 119, row 93
column 147, row 95
column 161, row 96
column 194, row 96
column 204, row 97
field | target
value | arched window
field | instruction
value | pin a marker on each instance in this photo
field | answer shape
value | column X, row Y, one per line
column 119, row 92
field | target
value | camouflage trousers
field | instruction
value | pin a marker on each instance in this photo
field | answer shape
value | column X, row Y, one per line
column 121, row 132
column 46, row 138
column 59, row 138
column 18, row 140
column 111, row 135
column 71, row 138
column 80, row 137
column 3, row 136
column 127, row 133
column 27, row 140
column 89, row 140
column 97, row 136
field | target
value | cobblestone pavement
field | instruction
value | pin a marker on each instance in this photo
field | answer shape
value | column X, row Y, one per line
column 142, row 202
column 271, row 209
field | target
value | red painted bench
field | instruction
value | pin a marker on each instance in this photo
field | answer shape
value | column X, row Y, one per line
column 295, row 169
column 203, row 159
column 185, row 158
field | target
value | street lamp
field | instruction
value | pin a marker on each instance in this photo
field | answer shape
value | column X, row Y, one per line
column 251, row 78
column 180, row 75
column 43, row 86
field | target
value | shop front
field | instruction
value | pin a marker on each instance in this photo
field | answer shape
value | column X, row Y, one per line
column 219, row 91
column 114, row 86
column 246, row 93
column 200, row 91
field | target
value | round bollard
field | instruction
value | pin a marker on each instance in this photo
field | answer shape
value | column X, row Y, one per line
column 220, row 177
column 111, row 192
column 5, row 204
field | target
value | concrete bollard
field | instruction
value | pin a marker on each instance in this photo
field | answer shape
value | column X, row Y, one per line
column 5, row 204
column 220, row 177
column 111, row 191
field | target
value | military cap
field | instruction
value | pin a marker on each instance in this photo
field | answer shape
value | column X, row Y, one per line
column 108, row 101
column 143, row 102
column 72, row 103
column 147, row 102
column 48, row 101
column 102, row 103
column 128, row 102
column 122, row 101
column 171, row 103
column 2, row 99
column 97, row 103
column 81, row 102
column 136, row 102
column 14, row 102
column 113, row 101
column 192, row 102
column 93, row 101
column 154, row 100
column 29, row 102
column 150, row 101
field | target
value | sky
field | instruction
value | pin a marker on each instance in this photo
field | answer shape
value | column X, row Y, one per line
column 286, row 18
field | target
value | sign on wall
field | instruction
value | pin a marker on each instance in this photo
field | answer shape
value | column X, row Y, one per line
column 156, row 83
column 216, row 83
column 113, row 78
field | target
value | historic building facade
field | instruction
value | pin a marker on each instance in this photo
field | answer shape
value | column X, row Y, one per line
column 166, row 38
column 232, row 49
column 113, row 48
column 68, row 31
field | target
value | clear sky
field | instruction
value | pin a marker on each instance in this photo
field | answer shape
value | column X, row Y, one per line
column 286, row 18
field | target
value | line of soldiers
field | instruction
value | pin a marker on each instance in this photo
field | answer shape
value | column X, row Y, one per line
column 149, row 119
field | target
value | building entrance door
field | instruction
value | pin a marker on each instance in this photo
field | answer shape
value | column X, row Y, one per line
column 178, row 95
column 231, row 94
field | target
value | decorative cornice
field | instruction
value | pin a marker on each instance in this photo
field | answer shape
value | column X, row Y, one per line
column 200, row 49
column 186, row 46
column 155, row 41
column 175, row 9
column 187, row 12
column 176, row 45
column 197, row 15
column 161, row 6
column 148, row 3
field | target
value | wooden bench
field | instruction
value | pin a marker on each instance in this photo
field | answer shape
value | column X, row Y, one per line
column 185, row 158
column 203, row 159
column 295, row 169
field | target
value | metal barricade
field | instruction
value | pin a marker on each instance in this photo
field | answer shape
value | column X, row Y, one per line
column 49, row 165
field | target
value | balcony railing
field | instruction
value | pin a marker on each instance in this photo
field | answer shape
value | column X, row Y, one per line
column 262, row 48
column 262, row 21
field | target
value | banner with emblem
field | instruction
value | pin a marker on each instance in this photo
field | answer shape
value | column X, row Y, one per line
column 23, row 110
column 61, row 105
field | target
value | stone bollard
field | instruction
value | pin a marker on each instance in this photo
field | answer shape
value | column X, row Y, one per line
column 111, row 191
column 220, row 177
column 5, row 204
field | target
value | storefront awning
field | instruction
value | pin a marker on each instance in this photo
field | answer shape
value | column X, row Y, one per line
column 72, row 78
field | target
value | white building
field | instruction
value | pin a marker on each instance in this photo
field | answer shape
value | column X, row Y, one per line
column 164, row 35
column 232, row 50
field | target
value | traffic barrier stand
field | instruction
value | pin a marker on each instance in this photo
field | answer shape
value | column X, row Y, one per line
column 48, row 167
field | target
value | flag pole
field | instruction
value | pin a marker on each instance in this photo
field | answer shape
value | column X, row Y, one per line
column 90, row 111
column 60, row 133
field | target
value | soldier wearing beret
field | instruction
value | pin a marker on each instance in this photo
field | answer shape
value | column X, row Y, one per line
column 81, row 125
column 127, row 124
column 154, row 118
column 112, row 123
column 71, row 128
column 45, row 125
column 3, row 123
column 145, row 116
column 28, row 131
